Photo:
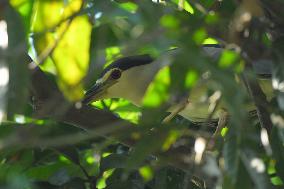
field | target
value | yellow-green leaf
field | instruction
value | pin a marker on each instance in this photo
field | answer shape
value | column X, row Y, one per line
column 157, row 92
column 64, row 41
column 71, row 57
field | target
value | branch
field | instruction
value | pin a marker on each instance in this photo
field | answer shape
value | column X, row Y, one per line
column 258, row 98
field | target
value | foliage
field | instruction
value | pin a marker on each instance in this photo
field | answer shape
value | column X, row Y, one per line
column 50, row 140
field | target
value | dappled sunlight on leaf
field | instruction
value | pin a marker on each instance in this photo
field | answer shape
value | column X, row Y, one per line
column 68, row 43
column 184, row 4
column 172, row 137
column 50, row 14
column 200, row 36
column 191, row 78
column 123, row 108
column 146, row 172
column 210, row 41
column 157, row 92
column 71, row 57
column 228, row 58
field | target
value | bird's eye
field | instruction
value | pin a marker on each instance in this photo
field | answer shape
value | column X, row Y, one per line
column 115, row 74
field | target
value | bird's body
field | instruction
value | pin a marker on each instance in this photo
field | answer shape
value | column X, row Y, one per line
column 130, row 77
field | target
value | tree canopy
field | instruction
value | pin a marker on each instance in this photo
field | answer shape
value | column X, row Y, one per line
column 52, row 51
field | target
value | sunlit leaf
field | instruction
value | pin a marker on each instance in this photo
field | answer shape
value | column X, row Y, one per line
column 210, row 41
column 146, row 172
column 199, row 36
column 228, row 58
column 71, row 59
column 157, row 92
column 68, row 44
column 184, row 4
column 191, row 78
column 169, row 21
column 49, row 14
column 129, row 6
column 173, row 136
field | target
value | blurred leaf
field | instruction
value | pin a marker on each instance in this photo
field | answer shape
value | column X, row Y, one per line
column 113, row 161
column 243, row 178
column 59, row 178
column 212, row 18
column 69, row 58
column 157, row 92
column 169, row 21
column 191, row 78
column 147, row 145
column 24, row 7
column 231, row 157
column 200, row 36
column 277, row 142
column 129, row 6
column 49, row 14
column 50, row 171
column 146, row 172
column 75, row 183
column 210, row 41
column 184, row 4
column 71, row 153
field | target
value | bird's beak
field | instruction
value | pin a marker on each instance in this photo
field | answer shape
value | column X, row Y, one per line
column 96, row 92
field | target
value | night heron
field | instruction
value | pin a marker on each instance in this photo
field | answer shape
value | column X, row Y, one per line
column 129, row 78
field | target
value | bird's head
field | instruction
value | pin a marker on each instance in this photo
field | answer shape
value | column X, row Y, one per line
column 126, row 78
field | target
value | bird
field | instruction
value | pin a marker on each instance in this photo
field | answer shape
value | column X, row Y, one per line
column 129, row 78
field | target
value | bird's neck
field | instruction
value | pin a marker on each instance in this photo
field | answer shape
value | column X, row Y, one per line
column 143, row 78
column 134, row 82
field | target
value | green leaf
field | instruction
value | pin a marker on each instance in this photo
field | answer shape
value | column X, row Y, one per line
column 277, row 142
column 59, row 178
column 169, row 21
column 25, row 8
column 129, row 6
column 113, row 161
column 231, row 157
column 49, row 171
column 147, row 145
column 157, row 92
column 184, row 4
column 62, row 43
column 228, row 58
column 71, row 153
